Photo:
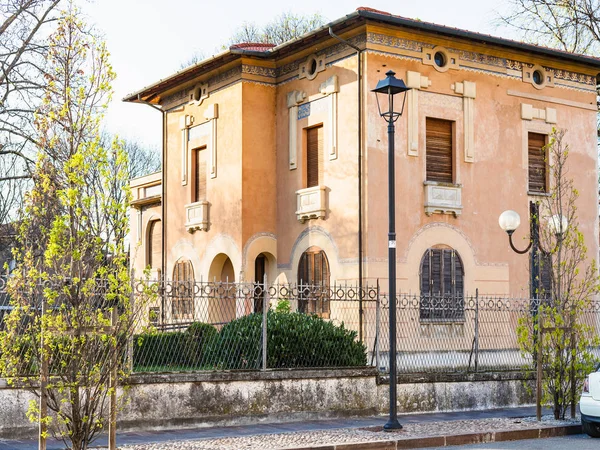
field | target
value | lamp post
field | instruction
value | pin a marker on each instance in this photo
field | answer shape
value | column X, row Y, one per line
column 509, row 221
column 389, row 87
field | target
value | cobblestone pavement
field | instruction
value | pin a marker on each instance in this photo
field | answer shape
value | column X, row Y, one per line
column 350, row 435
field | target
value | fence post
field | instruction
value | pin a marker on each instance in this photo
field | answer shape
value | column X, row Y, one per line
column 132, row 332
column 573, row 383
column 265, row 302
column 378, row 329
column 476, row 329
column 43, row 428
column 112, row 425
column 538, row 393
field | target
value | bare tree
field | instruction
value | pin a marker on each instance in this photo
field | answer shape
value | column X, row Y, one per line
column 71, row 251
column 196, row 57
column 23, row 26
column 570, row 25
column 283, row 28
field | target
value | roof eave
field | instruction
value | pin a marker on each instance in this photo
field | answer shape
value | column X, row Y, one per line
column 453, row 32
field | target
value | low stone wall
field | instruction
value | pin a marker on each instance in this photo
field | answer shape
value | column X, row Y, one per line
column 236, row 398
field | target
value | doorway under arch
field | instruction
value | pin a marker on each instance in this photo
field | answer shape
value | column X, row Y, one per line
column 222, row 302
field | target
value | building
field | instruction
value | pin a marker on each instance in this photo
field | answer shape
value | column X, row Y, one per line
column 275, row 158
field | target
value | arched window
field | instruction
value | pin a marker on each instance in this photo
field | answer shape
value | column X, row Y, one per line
column 183, row 290
column 442, row 285
column 313, row 282
column 155, row 245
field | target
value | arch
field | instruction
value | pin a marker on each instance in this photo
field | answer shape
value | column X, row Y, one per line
column 313, row 272
column 154, row 247
column 441, row 282
column 317, row 237
column 182, row 292
column 222, row 244
column 222, row 302
column 436, row 234
column 261, row 243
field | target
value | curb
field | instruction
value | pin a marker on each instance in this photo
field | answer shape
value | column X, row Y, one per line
column 454, row 439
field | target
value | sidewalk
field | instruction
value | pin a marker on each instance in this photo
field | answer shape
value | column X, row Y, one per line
column 419, row 431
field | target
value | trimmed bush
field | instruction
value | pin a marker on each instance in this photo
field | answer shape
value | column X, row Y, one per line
column 200, row 340
column 159, row 350
column 293, row 340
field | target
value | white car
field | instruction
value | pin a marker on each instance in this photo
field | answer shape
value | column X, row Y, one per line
column 589, row 404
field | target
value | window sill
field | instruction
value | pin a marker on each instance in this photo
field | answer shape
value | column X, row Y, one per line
column 441, row 183
column 539, row 194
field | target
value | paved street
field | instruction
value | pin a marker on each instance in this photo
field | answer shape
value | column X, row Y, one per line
column 576, row 442
column 320, row 432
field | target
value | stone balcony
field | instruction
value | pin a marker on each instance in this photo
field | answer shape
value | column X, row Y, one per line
column 311, row 203
column 442, row 198
column 196, row 215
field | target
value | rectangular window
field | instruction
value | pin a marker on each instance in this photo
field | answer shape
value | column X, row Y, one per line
column 314, row 156
column 537, row 162
column 199, row 175
column 438, row 150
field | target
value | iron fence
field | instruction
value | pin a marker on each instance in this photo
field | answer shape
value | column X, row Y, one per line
column 191, row 326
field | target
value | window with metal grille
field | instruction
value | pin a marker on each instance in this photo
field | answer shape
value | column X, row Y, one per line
column 314, row 156
column 313, row 283
column 442, row 285
column 155, row 245
column 438, row 150
column 537, row 163
column 183, row 290
column 199, row 175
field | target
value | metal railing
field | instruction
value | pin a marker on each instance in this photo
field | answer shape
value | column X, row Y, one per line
column 194, row 326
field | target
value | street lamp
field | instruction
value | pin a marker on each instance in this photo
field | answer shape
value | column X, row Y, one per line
column 389, row 87
column 509, row 221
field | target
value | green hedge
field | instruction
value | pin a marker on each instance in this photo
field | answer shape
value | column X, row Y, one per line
column 293, row 340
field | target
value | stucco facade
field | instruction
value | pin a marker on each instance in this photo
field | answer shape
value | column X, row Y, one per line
column 250, row 109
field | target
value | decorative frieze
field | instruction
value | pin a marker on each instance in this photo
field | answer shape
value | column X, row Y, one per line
column 262, row 71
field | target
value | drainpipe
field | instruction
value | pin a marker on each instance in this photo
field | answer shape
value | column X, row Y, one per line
column 163, row 208
column 359, row 146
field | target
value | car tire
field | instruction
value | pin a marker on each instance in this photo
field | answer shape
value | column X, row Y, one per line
column 591, row 429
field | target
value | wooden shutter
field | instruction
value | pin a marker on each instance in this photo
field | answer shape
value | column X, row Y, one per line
column 537, row 162
column 200, row 175
column 314, row 156
column 439, row 150
column 155, row 245
column 183, row 290
column 442, row 285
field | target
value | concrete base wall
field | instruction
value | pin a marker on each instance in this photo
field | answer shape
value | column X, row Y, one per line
column 206, row 399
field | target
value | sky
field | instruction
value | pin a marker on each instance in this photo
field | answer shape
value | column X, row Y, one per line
column 150, row 39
